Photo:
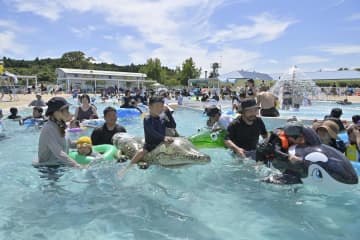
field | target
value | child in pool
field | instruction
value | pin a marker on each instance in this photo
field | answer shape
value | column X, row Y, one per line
column 13, row 114
column 84, row 147
column 155, row 131
column 74, row 124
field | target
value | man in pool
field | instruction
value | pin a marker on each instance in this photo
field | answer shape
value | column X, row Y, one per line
column 104, row 134
column 267, row 103
column 243, row 133
column 37, row 114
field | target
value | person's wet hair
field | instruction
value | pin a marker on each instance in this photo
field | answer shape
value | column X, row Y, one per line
column 156, row 99
column 355, row 119
column 13, row 111
column 85, row 96
column 336, row 112
column 251, row 81
column 109, row 109
column 38, row 109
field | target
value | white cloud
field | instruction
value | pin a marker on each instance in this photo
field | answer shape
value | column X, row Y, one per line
column 9, row 25
column 341, row 49
column 354, row 17
column 172, row 56
column 48, row 9
column 265, row 28
column 273, row 61
column 303, row 59
column 14, row 27
column 105, row 56
column 170, row 30
column 130, row 43
column 9, row 45
column 83, row 32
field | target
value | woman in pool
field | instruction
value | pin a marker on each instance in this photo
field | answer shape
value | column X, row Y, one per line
column 52, row 144
column 85, row 111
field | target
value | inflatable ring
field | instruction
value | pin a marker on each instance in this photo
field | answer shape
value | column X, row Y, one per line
column 143, row 107
column 356, row 166
column 74, row 133
column 107, row 151
column 208, row 139
column 93, row 122
column 128, row 112
column 344, row 137
column 33, row 122
column 75, row 130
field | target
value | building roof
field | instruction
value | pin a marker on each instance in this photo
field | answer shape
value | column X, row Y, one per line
column 100, row 72
column 323, row 75
column 235, row 75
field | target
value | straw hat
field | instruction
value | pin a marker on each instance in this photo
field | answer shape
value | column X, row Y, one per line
column 331, row 127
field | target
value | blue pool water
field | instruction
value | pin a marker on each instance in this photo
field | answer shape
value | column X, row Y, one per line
column 220, row 200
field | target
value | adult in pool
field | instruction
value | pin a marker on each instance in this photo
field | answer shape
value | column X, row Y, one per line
column 52, row 149
column 244, row 131
column 104, row 134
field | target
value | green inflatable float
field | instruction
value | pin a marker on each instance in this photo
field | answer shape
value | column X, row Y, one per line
column 107, row 151
column 208, row 139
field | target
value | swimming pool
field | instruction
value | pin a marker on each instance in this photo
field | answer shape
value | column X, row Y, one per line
column 220, row 200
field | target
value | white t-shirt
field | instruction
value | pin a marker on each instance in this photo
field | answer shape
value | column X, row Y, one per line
column 223, row 122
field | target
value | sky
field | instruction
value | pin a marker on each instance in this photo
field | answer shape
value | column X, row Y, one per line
column 267, row 36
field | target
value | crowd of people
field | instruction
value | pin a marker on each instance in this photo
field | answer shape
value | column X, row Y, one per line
column 243, row 133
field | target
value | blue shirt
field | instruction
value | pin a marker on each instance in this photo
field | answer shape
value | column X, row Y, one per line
column 154, row 129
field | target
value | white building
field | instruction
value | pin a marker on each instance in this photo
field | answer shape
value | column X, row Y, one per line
column 87, row 79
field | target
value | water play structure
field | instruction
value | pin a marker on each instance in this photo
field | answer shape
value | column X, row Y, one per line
column 294, row 89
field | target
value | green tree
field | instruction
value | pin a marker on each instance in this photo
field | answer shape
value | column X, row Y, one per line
column 76, row 59
column 188, row 71
column 153, row 69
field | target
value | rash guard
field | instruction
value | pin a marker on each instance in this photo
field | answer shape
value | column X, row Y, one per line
column 154, row 129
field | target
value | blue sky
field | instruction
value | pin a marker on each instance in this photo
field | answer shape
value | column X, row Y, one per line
column 263, row 35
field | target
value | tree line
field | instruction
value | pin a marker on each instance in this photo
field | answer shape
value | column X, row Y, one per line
column 45, row 68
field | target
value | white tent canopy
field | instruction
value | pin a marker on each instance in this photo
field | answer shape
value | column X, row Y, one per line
column 236, row 75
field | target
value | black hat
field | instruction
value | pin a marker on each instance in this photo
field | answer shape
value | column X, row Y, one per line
column 56, row 104
column 248, row 104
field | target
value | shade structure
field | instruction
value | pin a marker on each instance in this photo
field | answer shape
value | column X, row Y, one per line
column 236, row 75
column 8, row 74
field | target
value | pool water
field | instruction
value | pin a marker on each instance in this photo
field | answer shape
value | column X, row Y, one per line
column 220, row 200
